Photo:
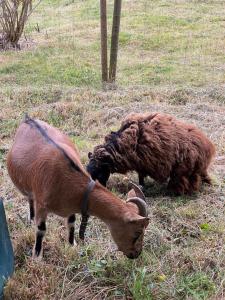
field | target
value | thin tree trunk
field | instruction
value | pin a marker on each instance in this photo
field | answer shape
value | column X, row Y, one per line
column 104, row 59
column 115, row 40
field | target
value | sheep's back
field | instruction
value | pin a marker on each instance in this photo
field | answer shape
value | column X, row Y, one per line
column 162, row 143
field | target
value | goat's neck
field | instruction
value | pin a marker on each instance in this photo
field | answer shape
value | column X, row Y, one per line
column 107, row 206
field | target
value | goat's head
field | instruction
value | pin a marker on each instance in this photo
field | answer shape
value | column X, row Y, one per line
column 99, row 165
column 129, row 236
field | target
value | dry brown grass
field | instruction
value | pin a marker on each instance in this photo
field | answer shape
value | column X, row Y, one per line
column 171, row 59
column 184, row 253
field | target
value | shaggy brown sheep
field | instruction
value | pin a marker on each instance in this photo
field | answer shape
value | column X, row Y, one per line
column 156, row 145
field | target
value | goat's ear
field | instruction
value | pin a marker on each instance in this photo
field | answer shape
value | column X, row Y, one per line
column 131, row 194
column 142, row 222
column 89, row 155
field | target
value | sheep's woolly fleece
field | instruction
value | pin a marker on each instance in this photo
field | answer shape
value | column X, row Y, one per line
column 160, row 146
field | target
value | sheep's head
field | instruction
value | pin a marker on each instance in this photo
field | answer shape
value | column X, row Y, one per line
column 110, row 157
column 99, row 165
column 129, row 236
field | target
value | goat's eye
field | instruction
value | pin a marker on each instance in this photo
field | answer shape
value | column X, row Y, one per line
column 136, row 237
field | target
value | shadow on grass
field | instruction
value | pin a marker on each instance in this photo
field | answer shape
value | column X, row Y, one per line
column 156, row 190
column 152, row 190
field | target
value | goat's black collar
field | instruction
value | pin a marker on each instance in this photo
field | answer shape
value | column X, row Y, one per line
column 84, row 208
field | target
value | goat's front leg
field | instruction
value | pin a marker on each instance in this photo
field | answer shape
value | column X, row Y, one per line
column 40, row 219
column 70, row 224
column 83, row 226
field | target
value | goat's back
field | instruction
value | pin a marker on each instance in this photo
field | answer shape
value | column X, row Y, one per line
column 34, row 158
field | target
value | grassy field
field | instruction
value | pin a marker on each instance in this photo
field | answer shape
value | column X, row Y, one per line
column 171, row 59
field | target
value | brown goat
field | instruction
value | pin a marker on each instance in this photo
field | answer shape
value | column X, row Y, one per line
column 155, row 145
column 45, row 166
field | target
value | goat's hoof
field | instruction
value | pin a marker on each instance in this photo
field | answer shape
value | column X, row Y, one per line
column 30, row 221
column 74, row 244
column 37, row 257
column 81, row 242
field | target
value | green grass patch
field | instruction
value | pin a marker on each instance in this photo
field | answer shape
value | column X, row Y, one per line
column 125, row 38
column 140, row 287
column 187, row 36
column 50, row 66
column 197, row 286
column 8, row 127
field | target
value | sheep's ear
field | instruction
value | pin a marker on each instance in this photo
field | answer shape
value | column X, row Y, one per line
column 89, row 155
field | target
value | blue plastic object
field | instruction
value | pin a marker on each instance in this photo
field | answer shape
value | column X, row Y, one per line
column 6, row 251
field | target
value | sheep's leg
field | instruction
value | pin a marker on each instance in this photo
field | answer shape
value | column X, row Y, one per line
column 179, row 185
column 205, row 178
column 141, row 179
column 195, row 182
column 70, row 223
column 40, row 218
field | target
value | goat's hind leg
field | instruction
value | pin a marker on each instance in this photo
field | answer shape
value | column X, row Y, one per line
column 40, row 219
column 70, row 224
column 31, row 207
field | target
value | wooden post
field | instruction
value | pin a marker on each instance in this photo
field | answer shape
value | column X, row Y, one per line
column 104, row 59
column 115, row 40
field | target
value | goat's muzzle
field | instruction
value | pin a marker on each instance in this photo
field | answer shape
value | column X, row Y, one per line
column 133, row 255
